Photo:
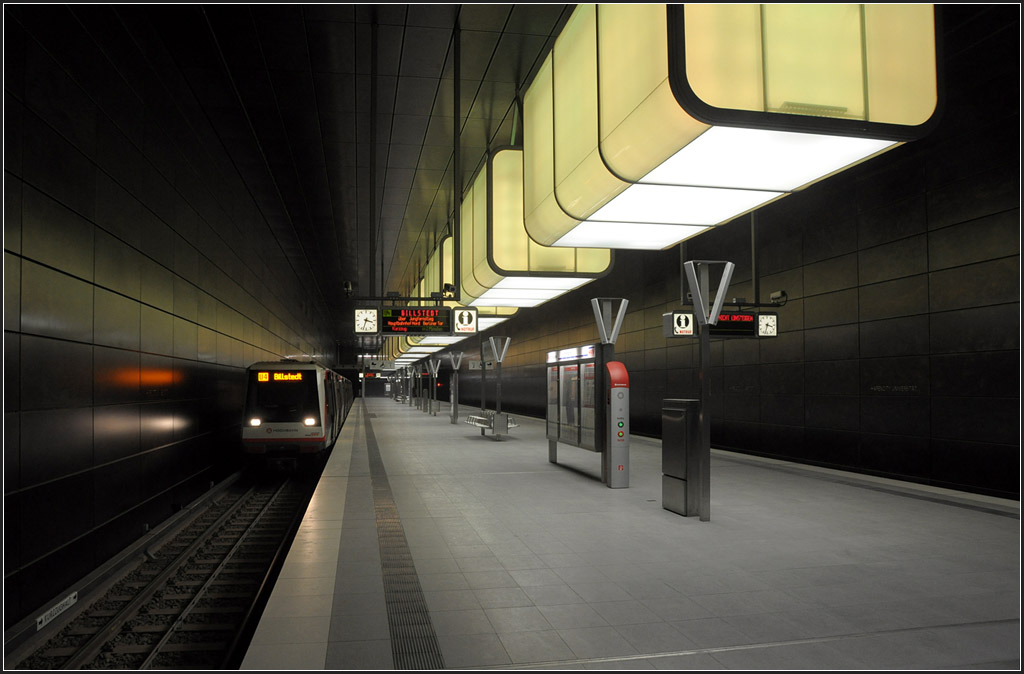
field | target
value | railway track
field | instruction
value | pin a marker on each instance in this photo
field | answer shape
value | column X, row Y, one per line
column 189, row 602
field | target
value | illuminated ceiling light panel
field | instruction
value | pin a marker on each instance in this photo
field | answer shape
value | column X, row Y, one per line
column 501, row 266
column 647, row 124
column 485, row 322
column 443, row 340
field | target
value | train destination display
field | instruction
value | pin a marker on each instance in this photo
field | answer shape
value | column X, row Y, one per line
column 415, row 320
column 730, row 324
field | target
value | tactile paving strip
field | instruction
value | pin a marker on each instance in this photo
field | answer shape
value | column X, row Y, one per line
column 413, row 642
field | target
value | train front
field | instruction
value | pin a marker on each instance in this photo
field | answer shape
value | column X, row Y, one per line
column 283, row 423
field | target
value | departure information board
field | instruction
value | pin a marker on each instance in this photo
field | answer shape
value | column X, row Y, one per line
column 735, row 324
column 415, row 321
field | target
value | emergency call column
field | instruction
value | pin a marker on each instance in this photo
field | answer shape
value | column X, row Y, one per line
column 617, row 453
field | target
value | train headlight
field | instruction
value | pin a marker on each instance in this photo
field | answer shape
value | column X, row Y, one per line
column 309, row 421
column 254, row 421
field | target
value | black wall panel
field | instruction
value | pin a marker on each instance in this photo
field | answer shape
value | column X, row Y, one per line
column 55, row 443
column 986, row 374
column 127, row 324
column 894, row 337
column 841, row 377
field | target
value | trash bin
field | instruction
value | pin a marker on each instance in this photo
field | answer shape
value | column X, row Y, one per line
column 680, row 455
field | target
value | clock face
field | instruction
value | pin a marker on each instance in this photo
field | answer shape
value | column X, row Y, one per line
column 767, row 325
column 366, row 320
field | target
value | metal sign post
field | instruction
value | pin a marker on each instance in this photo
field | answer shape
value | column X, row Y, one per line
column 453, row 385
column 608, row 329
column 698, row 497
column 483, row 382
column 499, row 356
column 499, row 425
column 433, row 366
column 412, row 391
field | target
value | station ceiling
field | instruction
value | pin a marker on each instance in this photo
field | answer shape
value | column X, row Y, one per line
column 340, row 120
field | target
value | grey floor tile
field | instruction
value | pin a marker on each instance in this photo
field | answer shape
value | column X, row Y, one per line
column 362, row 584
column 655, row 638
column 570, row 616
column 787, row 657
column 472, row 650
column 676, row 608
column 467, row 621
column 548, row 595
column 517, row 619
column 600, row 591
column 437, row 565
column 489, row 579
column 687, row 662
column 502, row 597
column 597, row 642
column 711, row 632
column 482, row 562
column 450, row 600
column 364, row 627
column 629, row 665
column 625, row 612
column 358, row 603
column 430, row 582
column 359, row 655
column 535, row 647
column 579, row 574
column 526, row 577
column 461, row 552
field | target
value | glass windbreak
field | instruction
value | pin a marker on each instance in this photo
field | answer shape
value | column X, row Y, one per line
column 588, row 412
column 552, row 414
column 283, row 396
column 569, row 422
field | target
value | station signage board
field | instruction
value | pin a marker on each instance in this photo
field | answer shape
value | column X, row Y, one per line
column 574, row 353
column 730, row 324
column 415, row 321
column 735, row 324
column 465, row 320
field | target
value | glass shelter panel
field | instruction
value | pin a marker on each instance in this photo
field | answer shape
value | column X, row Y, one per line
column 552, row 425
column 588, row 402
column 569, row 384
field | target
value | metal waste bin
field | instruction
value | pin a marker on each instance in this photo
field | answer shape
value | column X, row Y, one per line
column 680, row 456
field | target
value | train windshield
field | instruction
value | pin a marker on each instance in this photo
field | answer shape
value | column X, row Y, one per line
column 283, row 396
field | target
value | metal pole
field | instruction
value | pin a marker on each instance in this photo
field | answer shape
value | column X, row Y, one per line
column 483, row 381
column 497, row 393
column 454, row 386
column 705, row 404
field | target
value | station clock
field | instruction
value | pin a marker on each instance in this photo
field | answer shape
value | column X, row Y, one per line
column 367, row 321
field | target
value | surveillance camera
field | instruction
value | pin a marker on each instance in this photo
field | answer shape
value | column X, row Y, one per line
column 778, row 296
column 347, row 286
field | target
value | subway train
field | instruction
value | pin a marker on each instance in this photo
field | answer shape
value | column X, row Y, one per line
column 293, row 414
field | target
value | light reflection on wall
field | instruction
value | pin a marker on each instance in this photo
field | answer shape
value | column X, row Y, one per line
column 130, row 377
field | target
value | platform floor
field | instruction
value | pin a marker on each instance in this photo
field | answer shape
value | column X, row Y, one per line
column 519, row 563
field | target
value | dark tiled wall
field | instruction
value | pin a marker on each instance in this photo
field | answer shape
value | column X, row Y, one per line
column 139, row 282
column 900, row 342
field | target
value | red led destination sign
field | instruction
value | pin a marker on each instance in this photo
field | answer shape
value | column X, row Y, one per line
column 415, row 321
column 735, row 324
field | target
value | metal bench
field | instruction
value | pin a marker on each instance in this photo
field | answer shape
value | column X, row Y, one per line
column 498, row 424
